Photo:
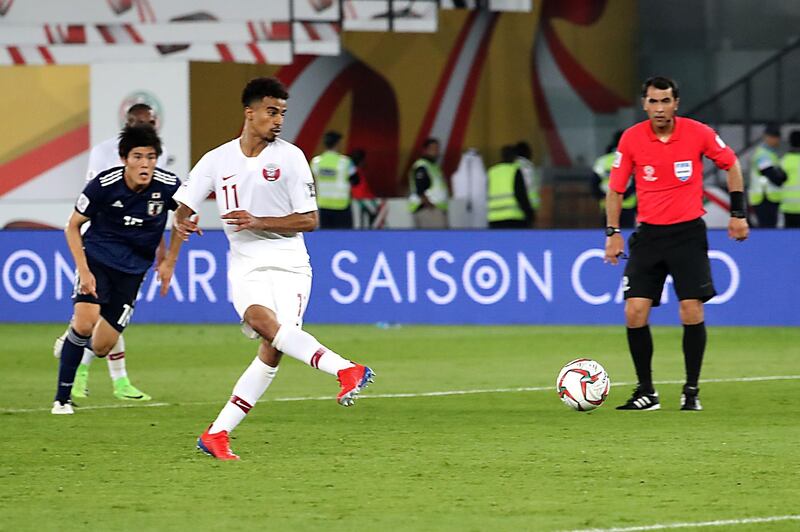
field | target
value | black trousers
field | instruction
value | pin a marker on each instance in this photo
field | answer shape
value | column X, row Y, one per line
column 336, row 219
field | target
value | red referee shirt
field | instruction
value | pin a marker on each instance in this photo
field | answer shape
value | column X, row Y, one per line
column 668, row 175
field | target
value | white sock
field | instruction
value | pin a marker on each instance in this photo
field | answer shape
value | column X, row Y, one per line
column 116, row 365
column 300, row 345
column 116, row 360
column 88, row 356
column 249, row 388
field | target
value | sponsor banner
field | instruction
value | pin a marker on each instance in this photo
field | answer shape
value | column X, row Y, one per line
column 480, row 277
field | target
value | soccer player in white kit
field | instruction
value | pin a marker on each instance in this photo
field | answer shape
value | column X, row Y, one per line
column 104, row 156
column 266, row 197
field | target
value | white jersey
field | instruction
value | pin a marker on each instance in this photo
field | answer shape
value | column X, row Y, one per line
column 277, row 182
column 106, row 155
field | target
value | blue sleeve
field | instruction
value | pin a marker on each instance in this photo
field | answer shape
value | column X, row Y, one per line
column 90, row 200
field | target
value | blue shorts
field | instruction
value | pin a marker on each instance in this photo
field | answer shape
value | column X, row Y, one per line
column 116, row 293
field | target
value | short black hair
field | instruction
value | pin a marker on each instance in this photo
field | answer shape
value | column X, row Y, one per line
column 661, row 83
column 260, row 88
column 135, row 108
column 794, row 138
column 508, row 153
column 523, row 149
column 773, row 129
column 429, row 141
column 137, row 137
column 331, row 138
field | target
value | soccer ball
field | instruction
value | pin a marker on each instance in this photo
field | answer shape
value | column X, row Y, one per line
column 583, row 384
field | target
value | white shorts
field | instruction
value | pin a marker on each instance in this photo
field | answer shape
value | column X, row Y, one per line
column 283, row 292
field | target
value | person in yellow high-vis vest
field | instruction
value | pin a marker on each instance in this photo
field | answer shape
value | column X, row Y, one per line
column 765, row 178
column 334, row 174
column 508, row 204
column 428, row 194
column 790, row 191
column 602, row 171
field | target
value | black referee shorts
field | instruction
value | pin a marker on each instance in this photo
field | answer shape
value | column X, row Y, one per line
column 680, row 250
column 116, row 293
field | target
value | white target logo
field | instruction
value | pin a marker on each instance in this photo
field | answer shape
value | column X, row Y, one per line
column 492, row 277
column 24, row 276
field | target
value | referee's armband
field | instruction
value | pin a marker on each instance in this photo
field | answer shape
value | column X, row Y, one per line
column 738, row 209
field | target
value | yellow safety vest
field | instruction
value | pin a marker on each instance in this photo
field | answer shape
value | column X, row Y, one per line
column 758, row 186
column 436, row 193
column 602, row 167
column 790, row 191
column 332, row 172
column 501, row 203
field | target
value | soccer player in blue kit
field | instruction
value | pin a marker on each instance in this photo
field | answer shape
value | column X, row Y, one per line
column 128, row 208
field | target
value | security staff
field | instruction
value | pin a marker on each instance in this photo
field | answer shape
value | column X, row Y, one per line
column 428, row 191
column 508, row 203
column 790, row 191
column 602, row 171
column 334, row 174
column 766, row 177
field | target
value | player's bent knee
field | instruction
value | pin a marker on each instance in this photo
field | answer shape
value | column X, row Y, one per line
column 263, row 321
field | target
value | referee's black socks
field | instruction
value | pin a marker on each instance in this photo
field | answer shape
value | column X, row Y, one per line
column 694, row 346
column 640, row 342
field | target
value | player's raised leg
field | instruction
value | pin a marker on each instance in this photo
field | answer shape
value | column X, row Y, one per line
column 302, row 346
column 248, row 390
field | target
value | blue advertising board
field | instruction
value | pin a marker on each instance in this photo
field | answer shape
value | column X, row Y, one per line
column 437, row 277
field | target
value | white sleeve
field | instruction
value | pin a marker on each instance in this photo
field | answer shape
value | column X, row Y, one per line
column 198, row 186
column 302, row 193
column 98, row 161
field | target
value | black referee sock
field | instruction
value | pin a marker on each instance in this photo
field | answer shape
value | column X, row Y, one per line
column 694, row 346
column 640, row 342
column 71, row 355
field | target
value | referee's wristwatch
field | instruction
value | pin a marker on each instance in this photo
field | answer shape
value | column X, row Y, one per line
column 611, row 231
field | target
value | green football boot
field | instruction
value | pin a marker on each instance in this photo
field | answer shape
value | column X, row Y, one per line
column 80, row 386
column 123, row 389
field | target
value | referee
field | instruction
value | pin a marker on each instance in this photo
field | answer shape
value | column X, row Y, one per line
column 665, row 153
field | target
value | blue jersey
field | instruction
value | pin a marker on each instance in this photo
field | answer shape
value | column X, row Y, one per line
column 126, row 225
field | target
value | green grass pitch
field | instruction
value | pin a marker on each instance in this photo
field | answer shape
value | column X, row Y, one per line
column 502, row 460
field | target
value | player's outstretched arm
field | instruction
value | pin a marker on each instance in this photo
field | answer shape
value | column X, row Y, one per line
column 72, row 232
column 293, row 223
column 737, row 224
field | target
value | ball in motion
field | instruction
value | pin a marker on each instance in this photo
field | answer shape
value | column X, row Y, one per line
column 583, row 384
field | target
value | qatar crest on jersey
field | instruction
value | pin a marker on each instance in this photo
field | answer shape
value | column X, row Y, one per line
column 271, row 172
column 155, row 207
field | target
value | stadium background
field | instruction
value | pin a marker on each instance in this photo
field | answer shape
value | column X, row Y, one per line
column 466, row 328
column 562, row 75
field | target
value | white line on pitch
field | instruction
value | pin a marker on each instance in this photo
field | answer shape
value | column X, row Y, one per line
column 725, row 522
column 398, row 395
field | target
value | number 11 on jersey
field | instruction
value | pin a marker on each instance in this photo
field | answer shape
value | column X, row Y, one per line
column 234, row 194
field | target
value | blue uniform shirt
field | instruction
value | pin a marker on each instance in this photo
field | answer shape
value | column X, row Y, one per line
column 126, row 225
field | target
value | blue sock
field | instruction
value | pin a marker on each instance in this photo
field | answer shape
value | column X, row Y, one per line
column 71, row 355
